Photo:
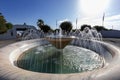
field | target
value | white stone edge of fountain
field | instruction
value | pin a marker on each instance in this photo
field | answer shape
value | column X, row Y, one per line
column 10, row 53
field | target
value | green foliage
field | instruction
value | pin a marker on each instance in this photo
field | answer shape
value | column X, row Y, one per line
column 85, row 25
column 74, row 30
column 3, row 29
column 66, row 26
column 56, row 30
column 42, row 26
column 45, row 28
column 9, row 25
column 3, row 25
column 40, row 22
column 99, row 28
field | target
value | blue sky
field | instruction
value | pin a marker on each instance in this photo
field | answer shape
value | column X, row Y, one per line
column 29, row 11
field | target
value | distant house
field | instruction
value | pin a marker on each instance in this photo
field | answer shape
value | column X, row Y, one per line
column 110, row 33
column 16, row 31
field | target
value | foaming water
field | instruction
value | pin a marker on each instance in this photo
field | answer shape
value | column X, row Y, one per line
column 71, row 59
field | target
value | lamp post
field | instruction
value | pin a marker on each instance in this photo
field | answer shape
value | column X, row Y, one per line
column 76, row 23
column 103, row 19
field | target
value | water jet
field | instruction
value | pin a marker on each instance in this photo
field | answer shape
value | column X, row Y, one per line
column 16, row 63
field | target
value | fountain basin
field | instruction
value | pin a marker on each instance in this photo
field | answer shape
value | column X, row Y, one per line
column 71, row 59
column 60, row 42
column 9, row 55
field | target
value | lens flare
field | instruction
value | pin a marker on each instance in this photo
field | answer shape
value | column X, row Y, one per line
column 93, row 7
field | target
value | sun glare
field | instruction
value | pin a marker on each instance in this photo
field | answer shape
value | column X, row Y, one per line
column 93, row 7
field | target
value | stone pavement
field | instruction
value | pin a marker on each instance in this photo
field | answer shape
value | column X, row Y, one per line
column 4, row 43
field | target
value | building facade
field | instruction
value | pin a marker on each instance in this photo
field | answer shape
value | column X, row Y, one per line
column 110, row 33
column 16, row 31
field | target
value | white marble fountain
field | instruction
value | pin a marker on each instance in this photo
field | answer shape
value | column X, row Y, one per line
column 87, row 40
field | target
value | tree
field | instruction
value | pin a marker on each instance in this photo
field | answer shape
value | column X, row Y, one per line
column 9, row 25
column 4, row 26
column 42, row 26
column 99, row 28
column 45, row 28
column 66, row 26
column 40, row 23
column 85, row 25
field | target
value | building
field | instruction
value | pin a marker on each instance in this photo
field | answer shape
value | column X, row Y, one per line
column 16, row 31
column 110, row 33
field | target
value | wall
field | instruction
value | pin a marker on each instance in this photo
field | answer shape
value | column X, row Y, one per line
column 12, row 33
column 9, row 35
column 111, row 34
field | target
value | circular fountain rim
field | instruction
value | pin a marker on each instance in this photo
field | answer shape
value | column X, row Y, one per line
column 7, row 68
column 63, row 37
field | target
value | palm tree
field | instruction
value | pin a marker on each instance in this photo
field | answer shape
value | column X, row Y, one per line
column 42, row 26
column 40, row 23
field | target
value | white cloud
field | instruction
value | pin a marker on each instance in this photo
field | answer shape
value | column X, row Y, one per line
column 89, row 20
column 109, row 22
column 60, row 21
column 113, row 22
column 114, row 17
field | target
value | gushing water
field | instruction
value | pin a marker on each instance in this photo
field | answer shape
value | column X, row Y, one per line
column 71, row 59
column 87, row 33
column 32, row 34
